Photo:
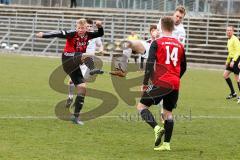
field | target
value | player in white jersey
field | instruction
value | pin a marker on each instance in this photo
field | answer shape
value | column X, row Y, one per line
column 154, row 35
column 133, row 47
column 93, row 46
column 179, row 31
column 120, row 68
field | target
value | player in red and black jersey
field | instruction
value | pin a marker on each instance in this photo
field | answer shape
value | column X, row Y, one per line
column 165, row 66
column 75, row 47
column 93, row 45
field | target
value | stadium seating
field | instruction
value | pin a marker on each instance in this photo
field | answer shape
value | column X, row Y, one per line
column 205, row 44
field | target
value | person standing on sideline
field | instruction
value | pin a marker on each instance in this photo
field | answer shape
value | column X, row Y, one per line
column 232, row 61
column 73, row 3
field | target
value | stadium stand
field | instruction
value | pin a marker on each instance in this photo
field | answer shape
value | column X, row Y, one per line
column 205, row 44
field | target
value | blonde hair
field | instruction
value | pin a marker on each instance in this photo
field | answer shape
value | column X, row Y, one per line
column 81, row 22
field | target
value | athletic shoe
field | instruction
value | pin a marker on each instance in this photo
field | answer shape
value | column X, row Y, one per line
column 159, row 131
column 164, row 147
column 238, row 100
column 96, row 71
column 68, row 102
column 76, row 120
column 232, row 95
column 118, row 72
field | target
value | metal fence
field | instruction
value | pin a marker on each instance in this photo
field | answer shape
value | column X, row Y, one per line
column 206, row 37
column 198, row 6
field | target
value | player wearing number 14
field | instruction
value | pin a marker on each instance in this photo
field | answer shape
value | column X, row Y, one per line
column 165, row 66
column 169, row 53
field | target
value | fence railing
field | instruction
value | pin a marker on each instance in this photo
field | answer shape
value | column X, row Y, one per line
column 228, row 7
column 205, row 41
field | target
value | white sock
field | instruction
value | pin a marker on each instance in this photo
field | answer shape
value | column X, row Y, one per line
column 71, row 90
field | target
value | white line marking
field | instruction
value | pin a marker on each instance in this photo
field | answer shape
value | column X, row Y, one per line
column 120, row 116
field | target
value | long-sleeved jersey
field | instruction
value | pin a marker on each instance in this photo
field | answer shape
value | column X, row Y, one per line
column 168, row 56
column 74, row 42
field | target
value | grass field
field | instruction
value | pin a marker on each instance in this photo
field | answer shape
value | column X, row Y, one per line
column 207, row 126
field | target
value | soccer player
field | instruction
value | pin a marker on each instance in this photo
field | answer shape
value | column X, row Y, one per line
column 76, row 45
column 232, row 61
column 165, row 66
column 154, row 35
column 133, row 47
column 93, row 46
column 179, row 32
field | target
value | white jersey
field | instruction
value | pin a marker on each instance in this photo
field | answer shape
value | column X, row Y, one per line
column 178, row 32
column 146, row 45
column 93, row 45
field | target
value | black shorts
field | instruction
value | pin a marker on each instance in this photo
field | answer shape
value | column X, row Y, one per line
column 235, row 68
column 153, row 95
column 70, row 63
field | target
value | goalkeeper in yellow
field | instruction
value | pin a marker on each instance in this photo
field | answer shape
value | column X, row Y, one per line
column 232, row 62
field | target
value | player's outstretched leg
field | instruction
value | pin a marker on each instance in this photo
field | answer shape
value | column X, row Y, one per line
column 118, row 72
column 121, row 63
column 88, row 61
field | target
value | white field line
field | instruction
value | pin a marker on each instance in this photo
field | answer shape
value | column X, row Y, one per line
column 119, row 116
column 43, row 117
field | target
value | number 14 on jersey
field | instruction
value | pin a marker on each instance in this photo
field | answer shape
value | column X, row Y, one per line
column 173, row 56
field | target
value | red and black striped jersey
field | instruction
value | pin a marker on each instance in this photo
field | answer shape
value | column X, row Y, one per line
column 74, row 42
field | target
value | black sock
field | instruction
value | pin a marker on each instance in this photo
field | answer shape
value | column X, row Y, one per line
column 229, row 82
column 141, row 64
column 78, row 105
column 148, row 117
column 168, row 126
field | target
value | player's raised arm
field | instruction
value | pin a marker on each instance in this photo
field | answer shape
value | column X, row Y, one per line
column 99, row 33
column 59, row 34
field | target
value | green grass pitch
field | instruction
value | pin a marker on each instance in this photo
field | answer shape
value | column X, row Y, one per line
column 207, row 126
